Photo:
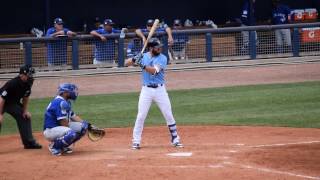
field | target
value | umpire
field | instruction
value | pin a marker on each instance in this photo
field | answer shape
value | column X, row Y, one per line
column 14, row 100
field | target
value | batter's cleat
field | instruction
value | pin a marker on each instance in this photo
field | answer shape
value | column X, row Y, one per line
column 67, row 150
column 135, row 146
column 177, row 145
column 54, row 151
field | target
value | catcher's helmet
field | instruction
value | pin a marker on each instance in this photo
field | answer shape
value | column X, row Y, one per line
column 72, row 89
column 154, row 42
column 27, row 70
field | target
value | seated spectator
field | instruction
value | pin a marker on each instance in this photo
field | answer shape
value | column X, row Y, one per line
column 178, row 50
column 105, row 51
column 281, row 15
column 134, row 47
column 140, row 32
column 57, row 50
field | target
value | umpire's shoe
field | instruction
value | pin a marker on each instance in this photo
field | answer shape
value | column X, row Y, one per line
column 33, row 145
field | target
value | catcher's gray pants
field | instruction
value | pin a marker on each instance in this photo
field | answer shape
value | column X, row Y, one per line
column 53, row 133
column 283, row 37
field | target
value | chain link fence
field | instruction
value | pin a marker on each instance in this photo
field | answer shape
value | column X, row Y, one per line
column 188, row 47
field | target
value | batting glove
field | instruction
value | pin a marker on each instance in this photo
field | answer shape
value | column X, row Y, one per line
column 137, row 58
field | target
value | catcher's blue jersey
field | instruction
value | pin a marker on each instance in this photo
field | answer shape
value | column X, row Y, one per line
column 148, row 60
column 57, row 110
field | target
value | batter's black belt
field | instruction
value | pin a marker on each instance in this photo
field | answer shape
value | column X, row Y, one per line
column 154, row 85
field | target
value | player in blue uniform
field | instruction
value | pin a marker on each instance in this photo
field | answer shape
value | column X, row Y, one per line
column 105, row 51
column 62, row 127
column 57, row 50
column 134, row 47
column 153, row 65
column 150, row 22
column 178, row 49
column 247, row 19
column 281, row 15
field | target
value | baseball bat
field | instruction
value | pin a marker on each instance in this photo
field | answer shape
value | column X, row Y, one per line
column 152, row 30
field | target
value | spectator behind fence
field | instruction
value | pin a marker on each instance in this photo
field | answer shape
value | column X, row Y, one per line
column 57, row 50
column 178, row 50
column 281, row 15
column 247, row 19
column 97, row 23
column 134, row 47
column 105, row 48
column 140, row 32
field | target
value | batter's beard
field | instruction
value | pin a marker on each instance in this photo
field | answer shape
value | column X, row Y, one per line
column 155, row 53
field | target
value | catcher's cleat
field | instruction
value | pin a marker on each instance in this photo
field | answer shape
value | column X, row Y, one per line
column 177, row 145
column 135, row 146
column 67, row 150
column 54, row 151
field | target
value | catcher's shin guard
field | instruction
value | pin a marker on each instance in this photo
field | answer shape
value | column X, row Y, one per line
column 65, row 140
column 84, row 129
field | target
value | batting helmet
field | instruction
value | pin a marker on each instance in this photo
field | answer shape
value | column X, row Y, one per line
column 72, row 89
column 154, row 42
column 27, row 70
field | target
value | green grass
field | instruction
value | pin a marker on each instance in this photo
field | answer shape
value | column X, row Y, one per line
column 289, row 105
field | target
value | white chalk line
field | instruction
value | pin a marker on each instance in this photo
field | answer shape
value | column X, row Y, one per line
column 211, row 166
column 284, row 144
column 272, row 171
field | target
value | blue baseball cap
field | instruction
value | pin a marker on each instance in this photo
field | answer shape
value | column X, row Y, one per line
column 108, row 22
column 58, row 21
column 150, row 22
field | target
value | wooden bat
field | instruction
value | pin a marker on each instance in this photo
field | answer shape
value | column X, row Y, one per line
column 152, row 30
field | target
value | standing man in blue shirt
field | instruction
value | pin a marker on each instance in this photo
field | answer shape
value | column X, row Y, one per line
column 281, row 15
column 134, row 47
column 105, row 51
column 57, row 50
column 153, row 65
column 247, row 19
column 178, row 49
column 150, row 22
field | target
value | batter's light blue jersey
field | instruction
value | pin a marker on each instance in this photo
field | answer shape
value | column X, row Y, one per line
column 57, row 110
column 158, row 78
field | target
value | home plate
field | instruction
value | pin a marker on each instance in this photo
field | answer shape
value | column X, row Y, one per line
column 181, row 154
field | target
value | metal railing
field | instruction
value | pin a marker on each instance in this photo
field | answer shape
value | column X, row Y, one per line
column 193, row 45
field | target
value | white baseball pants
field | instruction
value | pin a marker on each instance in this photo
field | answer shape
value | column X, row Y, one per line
column 160, row 96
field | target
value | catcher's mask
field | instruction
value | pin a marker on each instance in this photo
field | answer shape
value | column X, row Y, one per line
column 72, row 89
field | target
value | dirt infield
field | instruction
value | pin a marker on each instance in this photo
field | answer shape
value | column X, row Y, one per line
column 214, row 152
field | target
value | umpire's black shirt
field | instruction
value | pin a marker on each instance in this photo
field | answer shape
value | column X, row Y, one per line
column 15, row 89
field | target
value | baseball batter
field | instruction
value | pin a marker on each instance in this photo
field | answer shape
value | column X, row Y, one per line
column 153, row 65
column 62, row 127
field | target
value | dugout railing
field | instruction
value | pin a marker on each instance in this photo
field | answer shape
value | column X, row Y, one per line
column 201, row 45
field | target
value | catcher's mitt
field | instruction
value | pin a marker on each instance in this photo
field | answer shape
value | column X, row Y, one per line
column 95, row 133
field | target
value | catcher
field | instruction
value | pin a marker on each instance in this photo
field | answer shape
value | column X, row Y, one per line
column 62, row 127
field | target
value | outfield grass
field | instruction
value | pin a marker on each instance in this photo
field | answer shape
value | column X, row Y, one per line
column 290, row 105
